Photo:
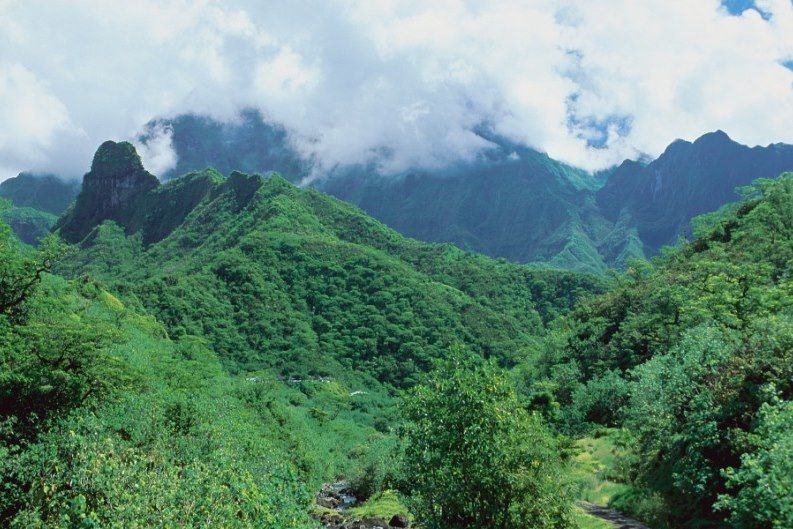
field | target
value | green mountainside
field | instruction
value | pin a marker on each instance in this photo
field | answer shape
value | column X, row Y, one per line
column 219, row 351
column 693, row 356
column 526, row 208
column 290, row 278
column 33, row 203
column 30, row 225
column 688, row 179
column 107, row 421
column 511, row 202
column 44, row 192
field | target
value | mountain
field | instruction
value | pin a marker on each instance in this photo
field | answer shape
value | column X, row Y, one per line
column 277, row 276
column 44, row 192
column 35, row 201
column 112, row 190
column 248, row 144
column 228, row 347
column 28, row 224
column 512, row 202
column 518, row 204
column 659, row 199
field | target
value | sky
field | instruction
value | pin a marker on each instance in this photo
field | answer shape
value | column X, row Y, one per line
column 401, row 83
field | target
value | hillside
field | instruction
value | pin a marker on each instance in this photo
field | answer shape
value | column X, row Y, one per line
column 518, row 204
column 44, row 192
column 688, row 179
column 28, row 224
column 32, row 203
column 277, row 276
column 108, row 422
column 512, row 202
column 691, row 355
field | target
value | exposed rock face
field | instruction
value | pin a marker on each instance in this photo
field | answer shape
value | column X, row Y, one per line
column 111, row 190
column 117, row 175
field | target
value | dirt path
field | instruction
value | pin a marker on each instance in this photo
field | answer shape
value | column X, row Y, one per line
column 613, row 517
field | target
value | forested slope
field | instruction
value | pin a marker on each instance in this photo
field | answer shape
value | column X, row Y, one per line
column 693, row 354
column 277, row 276
column 107, row 422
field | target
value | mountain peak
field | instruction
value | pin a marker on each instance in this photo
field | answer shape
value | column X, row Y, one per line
column 117, row 174
column 717, row 137
column 112, row 157
column 110, row 190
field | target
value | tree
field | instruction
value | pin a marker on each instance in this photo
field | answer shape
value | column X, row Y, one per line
column 20, row 272
column 475, row 458
column 762, row 487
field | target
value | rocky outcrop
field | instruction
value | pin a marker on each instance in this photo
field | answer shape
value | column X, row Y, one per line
column 111, row 191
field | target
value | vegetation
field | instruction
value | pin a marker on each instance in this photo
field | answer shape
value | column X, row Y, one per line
column 278, row 277
column 691, row 354
column 43, row 192
column 28, row 224
column 106, row 422
column 476, row 458
column 224, row 346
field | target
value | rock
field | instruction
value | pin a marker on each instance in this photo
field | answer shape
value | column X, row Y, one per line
column 398, row 521
column 111, row 190
column 374, row 523
column 327, row 502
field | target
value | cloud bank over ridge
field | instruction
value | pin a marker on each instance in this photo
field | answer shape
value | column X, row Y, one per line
column 399, row 83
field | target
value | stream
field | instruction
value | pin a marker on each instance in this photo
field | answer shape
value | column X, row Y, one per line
column 336, row 499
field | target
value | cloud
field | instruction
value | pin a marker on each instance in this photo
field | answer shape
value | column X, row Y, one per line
column 30, row 116
column 396, row 83
column 157, row 153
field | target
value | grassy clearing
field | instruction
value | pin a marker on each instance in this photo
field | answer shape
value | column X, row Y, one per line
column 597, row 469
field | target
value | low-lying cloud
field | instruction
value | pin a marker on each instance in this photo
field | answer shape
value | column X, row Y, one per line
column 398, row 83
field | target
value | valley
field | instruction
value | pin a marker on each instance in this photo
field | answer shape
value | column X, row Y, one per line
column 251, row 340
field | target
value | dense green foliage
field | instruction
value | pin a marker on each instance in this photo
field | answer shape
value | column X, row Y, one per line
column 28, row 224
column 476, row 458
column 106, row 422
column 275, row 276
column 258, row 333
column 689, row 353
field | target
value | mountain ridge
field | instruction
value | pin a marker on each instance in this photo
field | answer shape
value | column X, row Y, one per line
column 262, row 268
column 512, row 202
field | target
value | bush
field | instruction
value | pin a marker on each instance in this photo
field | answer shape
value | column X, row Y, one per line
column 475, row 458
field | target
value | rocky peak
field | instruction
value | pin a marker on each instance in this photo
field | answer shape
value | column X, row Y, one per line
column 111, row 190
column 117, row 175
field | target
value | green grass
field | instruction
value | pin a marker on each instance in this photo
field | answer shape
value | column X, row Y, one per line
column 587, row 521
column 597, row 467
column 383, row 505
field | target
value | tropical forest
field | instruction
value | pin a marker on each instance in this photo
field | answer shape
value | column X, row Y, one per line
column 311, row 267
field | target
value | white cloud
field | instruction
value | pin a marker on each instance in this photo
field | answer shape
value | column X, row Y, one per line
column 157, row 153
column 30, row 116
column 398, row 82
